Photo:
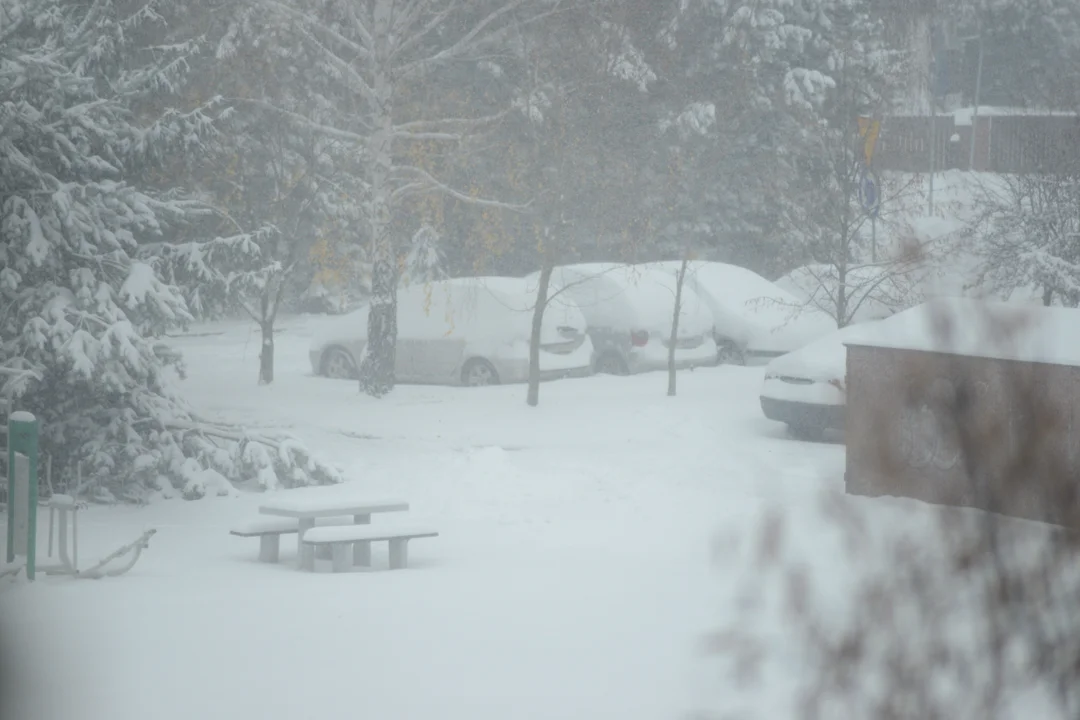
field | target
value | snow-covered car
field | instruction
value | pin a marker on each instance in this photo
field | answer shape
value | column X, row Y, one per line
column 629, row 310
column 872, row 292
column 465, row 331
column 806, row 389
column 754, row 321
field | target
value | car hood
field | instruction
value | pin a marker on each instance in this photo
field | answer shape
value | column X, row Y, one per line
column 803, row 326
column 823, row 360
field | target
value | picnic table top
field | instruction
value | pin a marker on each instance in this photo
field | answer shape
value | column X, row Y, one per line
column 312, row 506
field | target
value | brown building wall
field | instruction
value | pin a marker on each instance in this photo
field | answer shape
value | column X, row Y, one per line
column 961, row 431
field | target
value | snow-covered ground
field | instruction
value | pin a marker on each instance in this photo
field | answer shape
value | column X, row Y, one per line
column 576, row 574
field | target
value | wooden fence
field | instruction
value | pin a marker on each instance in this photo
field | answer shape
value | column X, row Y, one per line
column 1003, row 144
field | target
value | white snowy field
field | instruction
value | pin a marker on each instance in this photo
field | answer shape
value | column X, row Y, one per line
column 586, row 548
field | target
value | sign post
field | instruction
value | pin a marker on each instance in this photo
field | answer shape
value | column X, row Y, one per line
column 22, row 489
column 869, row 185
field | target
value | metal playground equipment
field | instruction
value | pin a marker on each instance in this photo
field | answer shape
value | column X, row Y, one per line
column 22, row 507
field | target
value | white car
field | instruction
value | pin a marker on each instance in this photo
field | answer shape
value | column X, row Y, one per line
column 806, row 389
column 754, row 320
column 466, row 331
column 629, row 310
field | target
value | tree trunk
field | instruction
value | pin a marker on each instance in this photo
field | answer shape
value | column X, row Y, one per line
column 266, row 353
column 377, row 365
column 674, row 341
column 533, row 398
column 267, row 315
column 842, row 318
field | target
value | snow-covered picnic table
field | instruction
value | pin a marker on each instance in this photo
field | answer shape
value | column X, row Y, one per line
column 308, row 507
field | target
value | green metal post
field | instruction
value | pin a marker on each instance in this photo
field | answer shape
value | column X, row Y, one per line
column 23, row 440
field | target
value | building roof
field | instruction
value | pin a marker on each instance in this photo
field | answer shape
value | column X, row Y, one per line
column 975, row 328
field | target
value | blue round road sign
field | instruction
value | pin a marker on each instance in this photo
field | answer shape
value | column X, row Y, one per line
column 869, row 194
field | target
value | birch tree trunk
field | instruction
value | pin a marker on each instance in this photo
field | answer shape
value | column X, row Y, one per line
column 377, row 366
column 533, row 398
column 674, row 341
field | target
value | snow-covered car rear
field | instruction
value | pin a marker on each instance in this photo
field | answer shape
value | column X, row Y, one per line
column 629, row 310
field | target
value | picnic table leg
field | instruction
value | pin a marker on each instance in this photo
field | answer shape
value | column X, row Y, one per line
column 362, row 549
column 269, row 546
column 305, row 553
column 399, row 553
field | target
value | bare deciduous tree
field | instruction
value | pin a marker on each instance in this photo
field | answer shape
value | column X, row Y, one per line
column 381, row 52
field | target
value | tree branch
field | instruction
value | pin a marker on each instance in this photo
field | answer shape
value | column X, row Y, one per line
column 445, row 137
column 411, row 69
column 327, row 130
column 347, row 68
column 435, row 185
column 446, row 124
column 416, row 37
column 365, row 34
column 360, row 50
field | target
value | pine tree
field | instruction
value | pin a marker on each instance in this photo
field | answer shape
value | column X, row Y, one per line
column 80, row 316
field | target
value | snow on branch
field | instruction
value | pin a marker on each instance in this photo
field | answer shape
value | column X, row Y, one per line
column 269, row 460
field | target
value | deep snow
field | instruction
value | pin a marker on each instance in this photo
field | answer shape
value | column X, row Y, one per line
column 578, row 568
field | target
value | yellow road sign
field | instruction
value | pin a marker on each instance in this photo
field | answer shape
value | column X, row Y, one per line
column 869, row 131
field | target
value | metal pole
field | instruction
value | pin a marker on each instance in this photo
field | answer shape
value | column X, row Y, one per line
column 933, row 142
column 22, row 488
column 975, row 111
column 873, row 238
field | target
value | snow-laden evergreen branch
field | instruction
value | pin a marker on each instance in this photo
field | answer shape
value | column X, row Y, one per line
column 81, row 307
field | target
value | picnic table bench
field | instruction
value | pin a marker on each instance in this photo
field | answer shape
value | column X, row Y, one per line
column 341, row 537
column 270, row 529
column 306, row 508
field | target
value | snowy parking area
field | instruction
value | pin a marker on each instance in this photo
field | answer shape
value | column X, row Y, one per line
column 575, row 575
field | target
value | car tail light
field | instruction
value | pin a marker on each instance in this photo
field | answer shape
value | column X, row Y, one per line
column 639, row 338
